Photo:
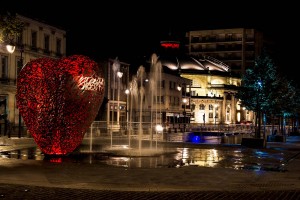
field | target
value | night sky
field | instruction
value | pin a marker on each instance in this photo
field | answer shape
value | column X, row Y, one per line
column 132, row 30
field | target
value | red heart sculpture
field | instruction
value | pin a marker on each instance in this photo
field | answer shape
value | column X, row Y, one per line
column 59, row 99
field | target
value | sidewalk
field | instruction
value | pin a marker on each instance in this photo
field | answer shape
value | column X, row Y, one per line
column 201, row 180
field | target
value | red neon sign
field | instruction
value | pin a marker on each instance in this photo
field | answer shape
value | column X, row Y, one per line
column 172, row 45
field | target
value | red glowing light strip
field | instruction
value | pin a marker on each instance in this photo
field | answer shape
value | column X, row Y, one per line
column 170, row 45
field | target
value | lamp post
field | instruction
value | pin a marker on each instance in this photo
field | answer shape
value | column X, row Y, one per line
column 179, row 89
column 127, row 91
column 258, row 109
column 184, row 114
column 127, row 103
column 115, row 67
column 119, row 74
column 185, row 101
column 11, row 49
column 19, row 69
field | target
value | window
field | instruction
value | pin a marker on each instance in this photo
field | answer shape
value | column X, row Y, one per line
column 34, row 40
column 211, row 107
column 47, row 44
column 228, row 113
column 19, row 63
column 171, row 85
column 20, row 40
column 159, row 100
column 202, row 107
column 177, row 101
column 228, row 96
column 217, row 115
column 3, row 107
column 58, row 46
column 210, row 115
column 172, row 100
column 162, row 99
column 163, row 84
column 4, row 66
column 229, row 37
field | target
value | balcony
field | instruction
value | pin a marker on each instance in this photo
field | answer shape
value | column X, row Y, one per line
column 7, row 81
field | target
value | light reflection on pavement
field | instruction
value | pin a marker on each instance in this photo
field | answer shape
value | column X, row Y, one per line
column 169, row 156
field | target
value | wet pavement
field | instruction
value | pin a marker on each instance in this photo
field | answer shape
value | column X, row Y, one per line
column 33, row 179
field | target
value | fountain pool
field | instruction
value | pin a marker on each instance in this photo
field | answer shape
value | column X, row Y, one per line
column 168, row 154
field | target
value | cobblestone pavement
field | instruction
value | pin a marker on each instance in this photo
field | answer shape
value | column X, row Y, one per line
column 16, row 192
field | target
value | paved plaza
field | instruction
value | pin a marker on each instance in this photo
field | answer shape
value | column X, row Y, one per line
column 32, row 179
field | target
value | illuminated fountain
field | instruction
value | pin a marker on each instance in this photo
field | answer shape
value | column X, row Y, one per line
column 141, row 76
column 143, row 92
column 155, row 82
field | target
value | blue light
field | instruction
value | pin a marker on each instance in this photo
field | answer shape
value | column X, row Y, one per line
column 195, row 139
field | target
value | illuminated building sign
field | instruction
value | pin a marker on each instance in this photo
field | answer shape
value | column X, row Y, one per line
column 170, row 44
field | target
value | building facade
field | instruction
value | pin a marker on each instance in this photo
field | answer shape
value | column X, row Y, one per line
column 211, row 91
column 235, row 47
column 209, row 95
column 36, row 40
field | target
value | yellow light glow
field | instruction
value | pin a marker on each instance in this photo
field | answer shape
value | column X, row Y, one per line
column 120, row 74
column 238, row 117
column 179, row 88
column 10, row 48
column 159, row 128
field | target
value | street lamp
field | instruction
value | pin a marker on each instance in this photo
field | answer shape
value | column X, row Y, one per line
column 19, row 69
column 115, row 67
column 11, row 49
column 127, row 115
column 119, row 74
column 179, row 87
column 127, row 103
column 258, row 109
column 184, row 114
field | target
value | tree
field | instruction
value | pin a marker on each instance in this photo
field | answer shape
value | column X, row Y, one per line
column 10, row 26
column 286, row 103
column 266, row 91
column 258, row 87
